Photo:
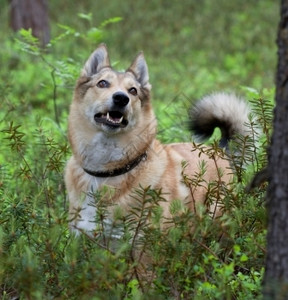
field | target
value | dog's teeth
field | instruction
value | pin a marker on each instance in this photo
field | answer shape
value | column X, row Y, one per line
column 109, row 119
column 115, row 121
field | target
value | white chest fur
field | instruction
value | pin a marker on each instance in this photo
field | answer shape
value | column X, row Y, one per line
column 100, row 151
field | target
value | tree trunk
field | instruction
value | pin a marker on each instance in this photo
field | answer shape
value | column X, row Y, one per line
column 31, row 14
column 276, row 274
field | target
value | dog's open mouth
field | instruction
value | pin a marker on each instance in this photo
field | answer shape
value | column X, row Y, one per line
column 114, row 119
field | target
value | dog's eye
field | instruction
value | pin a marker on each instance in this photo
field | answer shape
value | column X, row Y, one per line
column 133, row 91
column 103, row 84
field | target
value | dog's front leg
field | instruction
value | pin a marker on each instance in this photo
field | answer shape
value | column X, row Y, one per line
column 82, row 217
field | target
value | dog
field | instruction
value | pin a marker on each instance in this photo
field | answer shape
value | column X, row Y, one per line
column 112, row 132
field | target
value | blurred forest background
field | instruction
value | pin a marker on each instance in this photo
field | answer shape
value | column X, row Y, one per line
column 192, row 48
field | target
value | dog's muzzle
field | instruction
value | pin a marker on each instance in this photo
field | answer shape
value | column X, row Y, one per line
column 115, row 117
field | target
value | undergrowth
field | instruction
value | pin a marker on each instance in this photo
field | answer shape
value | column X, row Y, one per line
column 41, row 259
column 218, row 259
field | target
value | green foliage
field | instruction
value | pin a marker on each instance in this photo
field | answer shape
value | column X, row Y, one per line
column 218, row 45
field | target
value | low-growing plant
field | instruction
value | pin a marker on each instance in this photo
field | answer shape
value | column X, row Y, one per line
column 40, row 258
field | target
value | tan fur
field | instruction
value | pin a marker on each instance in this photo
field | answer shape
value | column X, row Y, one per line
column 97, row 147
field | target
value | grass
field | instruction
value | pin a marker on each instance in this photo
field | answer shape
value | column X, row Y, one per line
column 191, row 49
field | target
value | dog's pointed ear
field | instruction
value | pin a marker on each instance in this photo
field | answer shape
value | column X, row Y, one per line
column 98, row 60
column 140, row 70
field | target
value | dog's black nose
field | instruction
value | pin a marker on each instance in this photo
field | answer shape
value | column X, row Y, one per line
column 120, row 99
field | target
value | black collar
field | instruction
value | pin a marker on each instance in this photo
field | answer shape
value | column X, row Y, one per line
column 116, row 172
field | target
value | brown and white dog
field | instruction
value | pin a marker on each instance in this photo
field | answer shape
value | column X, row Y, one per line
column 112, row 129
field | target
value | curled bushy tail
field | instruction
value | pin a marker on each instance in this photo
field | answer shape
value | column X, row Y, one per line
column 226, row 111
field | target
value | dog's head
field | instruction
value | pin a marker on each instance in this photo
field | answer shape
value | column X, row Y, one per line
column 112, row 101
